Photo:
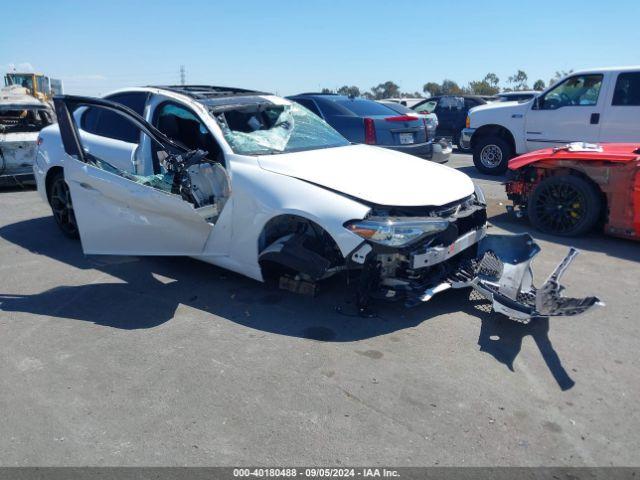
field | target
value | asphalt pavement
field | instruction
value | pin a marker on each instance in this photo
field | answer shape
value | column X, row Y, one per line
column 169, row 361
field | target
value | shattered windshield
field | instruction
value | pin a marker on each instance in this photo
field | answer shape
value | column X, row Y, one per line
column 267, row 128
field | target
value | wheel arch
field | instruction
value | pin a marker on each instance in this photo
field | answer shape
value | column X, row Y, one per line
column 285, row 224
column 494, row 130
column 51, row 174
column 577, row 169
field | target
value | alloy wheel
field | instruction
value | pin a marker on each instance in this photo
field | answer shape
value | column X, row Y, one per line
column 491, row 156
column 62, row 207
column 560, row 208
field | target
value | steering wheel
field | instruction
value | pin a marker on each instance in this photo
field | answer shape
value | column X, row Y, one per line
column 566, row 100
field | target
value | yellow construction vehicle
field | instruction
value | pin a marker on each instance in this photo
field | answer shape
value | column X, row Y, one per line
column 38, row 85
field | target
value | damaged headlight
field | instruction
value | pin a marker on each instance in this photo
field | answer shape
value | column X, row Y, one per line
column 396, row 232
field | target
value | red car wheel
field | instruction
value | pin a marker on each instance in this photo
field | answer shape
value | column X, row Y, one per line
column 564, row 205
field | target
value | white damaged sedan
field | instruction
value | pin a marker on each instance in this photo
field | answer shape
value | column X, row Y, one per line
column 259, row 185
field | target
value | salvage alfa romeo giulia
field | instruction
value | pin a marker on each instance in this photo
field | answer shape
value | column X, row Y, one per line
column 259, row 185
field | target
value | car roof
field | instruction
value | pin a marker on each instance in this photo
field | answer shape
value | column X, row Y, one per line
column 435, row 97
column 208, row 91
column 207, row 95
column 517, row 92
column 628, row 68
column 320, row 94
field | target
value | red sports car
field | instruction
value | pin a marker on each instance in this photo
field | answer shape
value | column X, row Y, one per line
column 571, row 189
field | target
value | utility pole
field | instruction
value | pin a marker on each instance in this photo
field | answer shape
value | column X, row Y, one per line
column 182, row 75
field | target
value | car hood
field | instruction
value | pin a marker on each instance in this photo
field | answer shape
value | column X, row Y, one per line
column 497, row 112
column 375, row 175
column 500, row 107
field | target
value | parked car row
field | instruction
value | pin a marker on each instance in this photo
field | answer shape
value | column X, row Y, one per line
column 451, row 111
column 373, row 123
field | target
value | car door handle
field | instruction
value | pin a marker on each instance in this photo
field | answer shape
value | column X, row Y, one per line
column 595, row 118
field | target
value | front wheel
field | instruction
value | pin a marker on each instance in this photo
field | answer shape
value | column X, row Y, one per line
column 564, row 205
column 61, row 206
column 491, row 155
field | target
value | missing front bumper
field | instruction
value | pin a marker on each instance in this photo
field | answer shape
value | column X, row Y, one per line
column 502, row 274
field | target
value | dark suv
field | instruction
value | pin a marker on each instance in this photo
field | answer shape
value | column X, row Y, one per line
column 364, row 121
column 452, row 113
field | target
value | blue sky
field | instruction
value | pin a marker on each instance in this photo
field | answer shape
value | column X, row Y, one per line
column 292, row 46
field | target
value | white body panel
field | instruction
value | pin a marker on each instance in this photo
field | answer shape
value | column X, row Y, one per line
column 329, row 186
column 509, row 115
column 533, row 129
column 619, row 123
column 374, row 174
column 124, row 217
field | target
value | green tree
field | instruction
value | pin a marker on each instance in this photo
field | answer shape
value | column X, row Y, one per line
column 432, row 88
column 493, row 81
column 559, row 75
column 449, row 87
column 519, row 80
column 487, row 86
column 326, row 90
column 349, row 91
column 387, row 89
column 539, row 85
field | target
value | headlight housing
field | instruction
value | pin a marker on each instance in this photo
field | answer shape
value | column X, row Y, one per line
column 396, row 232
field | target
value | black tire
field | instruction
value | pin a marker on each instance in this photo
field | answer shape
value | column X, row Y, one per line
column 491, row 155
column 564, row 205
column 459, row 144
column 61, row 206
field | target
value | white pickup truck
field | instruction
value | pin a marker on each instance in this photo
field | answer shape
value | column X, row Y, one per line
column 599, row 105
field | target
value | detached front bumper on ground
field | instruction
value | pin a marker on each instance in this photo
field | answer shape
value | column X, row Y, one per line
column 498, row 267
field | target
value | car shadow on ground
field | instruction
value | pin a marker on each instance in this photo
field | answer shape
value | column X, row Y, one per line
column 139, row 293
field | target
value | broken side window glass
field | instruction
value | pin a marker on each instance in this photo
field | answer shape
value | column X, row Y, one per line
column 264, row 129
column 190, row 174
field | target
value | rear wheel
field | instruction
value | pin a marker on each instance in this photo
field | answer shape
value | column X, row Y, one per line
column 491, row 155
column 564, row 205
column 61, row 206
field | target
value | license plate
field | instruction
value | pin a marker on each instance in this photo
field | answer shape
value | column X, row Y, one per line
column 406, row 138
